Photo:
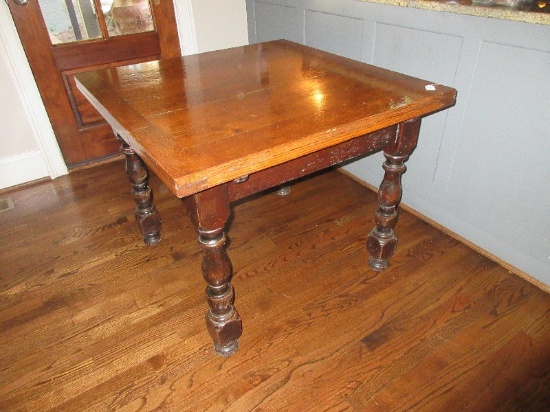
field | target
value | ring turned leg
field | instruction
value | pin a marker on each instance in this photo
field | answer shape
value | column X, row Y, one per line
column 147, row 216
column 209, row 211
column 382, row 242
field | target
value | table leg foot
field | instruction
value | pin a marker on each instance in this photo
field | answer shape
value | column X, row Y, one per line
column 227, row 350
column 152, row 240
column 224, row 333
column 382, row 245
column 378, row 265
column 147, row 216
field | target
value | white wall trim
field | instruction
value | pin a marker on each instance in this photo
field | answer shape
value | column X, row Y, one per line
column 22, row 168
column 186, row 27
column 11, row 51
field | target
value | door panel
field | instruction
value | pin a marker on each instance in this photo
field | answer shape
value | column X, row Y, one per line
column 70, row 20
column 85, row 114
column 64, row 37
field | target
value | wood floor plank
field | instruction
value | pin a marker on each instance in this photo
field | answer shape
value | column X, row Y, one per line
column 91, row 319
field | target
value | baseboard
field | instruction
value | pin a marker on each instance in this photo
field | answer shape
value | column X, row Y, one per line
column 461, row 239
column 22, row 168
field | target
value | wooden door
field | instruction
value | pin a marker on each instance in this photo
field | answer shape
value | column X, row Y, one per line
column 64, row 37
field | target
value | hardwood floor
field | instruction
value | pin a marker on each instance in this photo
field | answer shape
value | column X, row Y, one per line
column 93, row 319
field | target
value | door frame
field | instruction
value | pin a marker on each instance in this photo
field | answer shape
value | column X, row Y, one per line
column 185, row 21
column 27, row 88
column 32, row 102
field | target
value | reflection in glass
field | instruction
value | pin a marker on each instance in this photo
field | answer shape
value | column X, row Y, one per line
column 70, row 20
column 127, row 16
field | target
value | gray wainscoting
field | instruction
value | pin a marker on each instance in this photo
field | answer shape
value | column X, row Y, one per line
column 482, row 168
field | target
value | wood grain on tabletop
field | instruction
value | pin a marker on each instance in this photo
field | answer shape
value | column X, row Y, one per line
column 233, row 112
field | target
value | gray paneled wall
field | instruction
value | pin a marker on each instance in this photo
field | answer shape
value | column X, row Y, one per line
column 481, row 168
column 284, row 22
column 329, row 31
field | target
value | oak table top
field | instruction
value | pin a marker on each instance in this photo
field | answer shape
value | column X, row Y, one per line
column 202, row 120
column 219, row 126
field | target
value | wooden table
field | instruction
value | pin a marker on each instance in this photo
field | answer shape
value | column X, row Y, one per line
column 219, row 126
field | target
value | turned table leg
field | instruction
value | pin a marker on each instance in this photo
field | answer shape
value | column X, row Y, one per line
column 382, row 242
column 209, row 211
column 147, row 216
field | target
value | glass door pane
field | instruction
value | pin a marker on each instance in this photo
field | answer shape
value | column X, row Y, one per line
column 77, row 20
column 70, row 20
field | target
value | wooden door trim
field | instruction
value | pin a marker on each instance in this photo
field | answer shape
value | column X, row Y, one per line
column 167, row 28
column 186, row 29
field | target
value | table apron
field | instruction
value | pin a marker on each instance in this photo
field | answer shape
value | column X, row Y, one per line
column 302, row 166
